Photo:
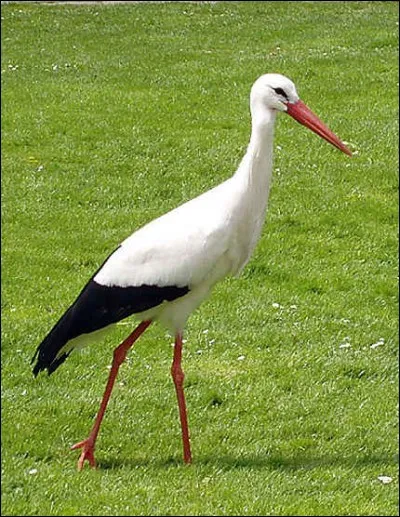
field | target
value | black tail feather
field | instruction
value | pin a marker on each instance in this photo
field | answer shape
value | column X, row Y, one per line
column 46, row 353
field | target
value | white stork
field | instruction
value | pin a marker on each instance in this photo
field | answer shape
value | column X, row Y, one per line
column 164, row 270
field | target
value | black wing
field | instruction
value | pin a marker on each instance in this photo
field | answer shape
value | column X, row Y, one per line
column 96, row 307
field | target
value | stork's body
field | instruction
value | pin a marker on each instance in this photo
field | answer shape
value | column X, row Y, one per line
column 164, row 270
column 196, row 244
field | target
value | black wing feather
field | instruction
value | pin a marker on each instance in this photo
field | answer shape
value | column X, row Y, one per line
column 96, row 307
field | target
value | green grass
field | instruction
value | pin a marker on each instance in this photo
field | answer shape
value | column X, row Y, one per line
column 115, row 114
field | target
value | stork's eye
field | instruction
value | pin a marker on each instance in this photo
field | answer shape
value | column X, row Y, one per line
column 279, row 91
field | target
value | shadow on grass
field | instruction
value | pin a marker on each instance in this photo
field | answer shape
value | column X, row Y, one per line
column 272, row 462
column 301, row 462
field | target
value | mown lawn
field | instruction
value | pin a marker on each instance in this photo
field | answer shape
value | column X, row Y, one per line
column 114, row 114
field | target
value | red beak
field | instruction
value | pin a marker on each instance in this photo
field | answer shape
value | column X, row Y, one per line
column 302, row 113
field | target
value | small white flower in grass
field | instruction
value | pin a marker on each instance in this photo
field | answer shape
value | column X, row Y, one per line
column 32, row 472
column 385, row 479
column 276, row 305
column 380, row 342
column 241, row 358
column 345, row 343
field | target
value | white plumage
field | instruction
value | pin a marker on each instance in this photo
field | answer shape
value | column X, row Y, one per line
column 195, row 245
column 164, row 270
column 207, row 238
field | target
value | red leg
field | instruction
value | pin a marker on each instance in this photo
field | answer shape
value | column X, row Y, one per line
column 120, row 352
column 178, row 377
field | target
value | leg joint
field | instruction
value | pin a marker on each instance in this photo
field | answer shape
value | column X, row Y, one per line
column 119, row 355
column 177, row 374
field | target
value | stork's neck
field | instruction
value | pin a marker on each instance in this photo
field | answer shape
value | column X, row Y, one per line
column 255, row 170
column 251, row 184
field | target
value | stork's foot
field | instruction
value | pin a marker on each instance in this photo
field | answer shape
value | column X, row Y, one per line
column 187, row 458
column 87, row 447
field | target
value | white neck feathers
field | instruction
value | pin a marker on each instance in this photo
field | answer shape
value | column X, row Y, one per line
column 252, row 183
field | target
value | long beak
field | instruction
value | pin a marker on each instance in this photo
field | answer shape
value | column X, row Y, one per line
column 302, row 113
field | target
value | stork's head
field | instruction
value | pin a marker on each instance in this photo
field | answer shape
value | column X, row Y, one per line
column 278, row 93
column 274, row 91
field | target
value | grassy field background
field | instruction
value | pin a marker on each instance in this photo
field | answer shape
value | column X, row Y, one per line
column 112, row 115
